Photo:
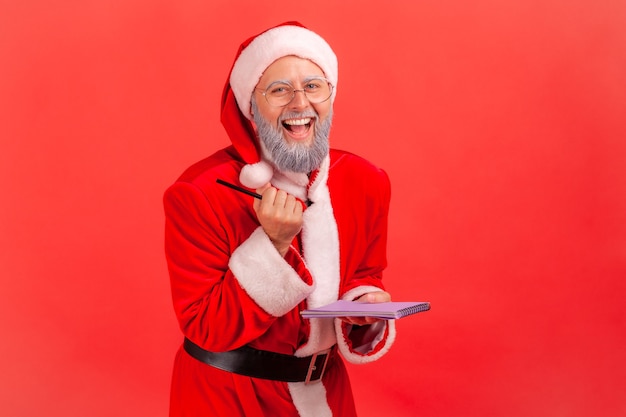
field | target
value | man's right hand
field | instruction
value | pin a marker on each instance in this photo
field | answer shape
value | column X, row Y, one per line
column 280, row 215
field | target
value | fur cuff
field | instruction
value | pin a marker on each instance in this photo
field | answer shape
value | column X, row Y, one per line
column 376, row 338
column 265, row 275
column 380, row 336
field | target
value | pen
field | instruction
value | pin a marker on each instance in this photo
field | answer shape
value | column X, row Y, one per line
column 241, row 190
column 252, row 193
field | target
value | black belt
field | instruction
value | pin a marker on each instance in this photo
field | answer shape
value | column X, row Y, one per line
column 263, row 364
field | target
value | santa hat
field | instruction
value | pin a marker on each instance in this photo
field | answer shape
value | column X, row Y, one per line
column 254, row 56
column 264, row 49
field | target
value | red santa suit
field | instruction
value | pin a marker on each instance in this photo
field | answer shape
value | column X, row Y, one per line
column 231, row 287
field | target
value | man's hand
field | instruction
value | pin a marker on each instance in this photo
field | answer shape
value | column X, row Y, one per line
column 280, row 215
column 370, row 297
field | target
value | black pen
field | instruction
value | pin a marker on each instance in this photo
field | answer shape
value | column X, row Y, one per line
column 240, row 189
column 248, row 192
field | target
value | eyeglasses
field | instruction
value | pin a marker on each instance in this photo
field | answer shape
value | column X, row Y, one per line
column 280, row 93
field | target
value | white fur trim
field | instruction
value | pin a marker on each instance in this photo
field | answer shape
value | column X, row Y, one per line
column 294, row 183
column 320, row 235
column 376, row 333
column 359, row 354
column 266, row 277
column 256, row 175
column 320, row 243
column 274, row 44
column 319, row 190
column 357, row 292
column 310, row 400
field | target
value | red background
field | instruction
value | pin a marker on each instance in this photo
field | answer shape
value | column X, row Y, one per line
column 501, row 124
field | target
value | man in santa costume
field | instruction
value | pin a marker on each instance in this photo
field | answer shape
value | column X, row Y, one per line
column 243, row 268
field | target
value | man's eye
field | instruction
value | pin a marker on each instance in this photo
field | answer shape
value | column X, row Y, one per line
column 279, row 90
column 312, row 86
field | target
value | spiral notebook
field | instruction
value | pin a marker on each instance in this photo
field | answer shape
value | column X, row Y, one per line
column 389, row 310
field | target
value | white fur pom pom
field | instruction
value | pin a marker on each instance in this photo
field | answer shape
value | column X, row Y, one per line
column 256, row 175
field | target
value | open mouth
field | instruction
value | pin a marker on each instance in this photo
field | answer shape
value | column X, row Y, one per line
column 298, row 127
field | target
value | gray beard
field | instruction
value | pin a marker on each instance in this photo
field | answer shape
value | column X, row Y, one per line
column 294, row 157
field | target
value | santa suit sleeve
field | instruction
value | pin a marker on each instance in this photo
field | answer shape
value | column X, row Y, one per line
column 362, row 344
column 229, row 284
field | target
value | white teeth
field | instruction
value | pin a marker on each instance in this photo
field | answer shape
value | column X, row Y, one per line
column 298, row 122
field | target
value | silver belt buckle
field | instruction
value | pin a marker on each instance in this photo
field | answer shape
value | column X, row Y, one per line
column 312, row 366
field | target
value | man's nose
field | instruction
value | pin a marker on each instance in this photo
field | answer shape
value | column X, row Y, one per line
column 299, row 100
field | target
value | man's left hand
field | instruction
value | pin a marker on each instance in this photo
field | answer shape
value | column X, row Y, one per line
column 370, row 297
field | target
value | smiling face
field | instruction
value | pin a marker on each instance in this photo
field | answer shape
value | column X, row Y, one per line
column 296, row 135
column 298, row 119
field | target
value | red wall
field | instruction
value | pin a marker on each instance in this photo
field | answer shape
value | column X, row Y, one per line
column 501, row 125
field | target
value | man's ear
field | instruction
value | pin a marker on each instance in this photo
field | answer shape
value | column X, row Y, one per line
column 252, row 105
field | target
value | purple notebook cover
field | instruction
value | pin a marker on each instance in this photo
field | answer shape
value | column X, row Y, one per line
column 389, row 310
